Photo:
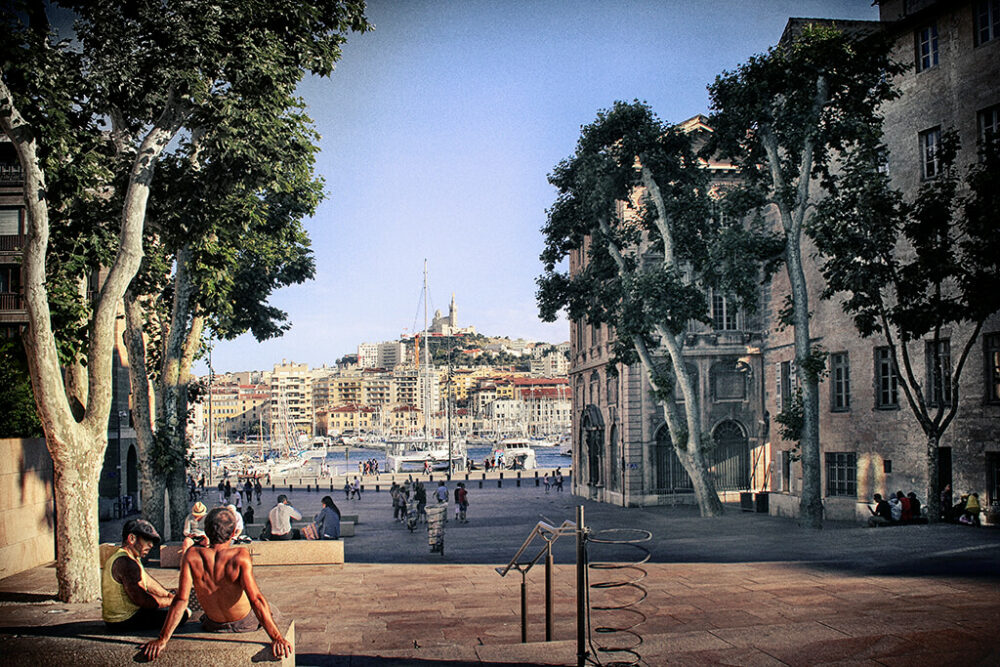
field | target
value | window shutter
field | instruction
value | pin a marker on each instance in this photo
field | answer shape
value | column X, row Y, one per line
column 777, row 387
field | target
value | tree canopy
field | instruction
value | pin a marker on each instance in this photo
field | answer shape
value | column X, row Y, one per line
column 783, row 117
column 90, row 120
column 634, row 205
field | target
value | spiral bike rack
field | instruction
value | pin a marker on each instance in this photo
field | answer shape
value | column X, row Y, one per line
column 622, row 638
column 616, row 634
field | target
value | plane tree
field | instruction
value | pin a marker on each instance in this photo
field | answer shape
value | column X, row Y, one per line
column 924, row 274
column 782, row 117
column 224, row 230
column 634, row 204
column 90, row 119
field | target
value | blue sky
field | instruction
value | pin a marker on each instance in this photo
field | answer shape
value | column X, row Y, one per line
column 439, row 129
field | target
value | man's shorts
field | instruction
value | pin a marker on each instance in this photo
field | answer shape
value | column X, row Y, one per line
column 248, row 623
column 145, row 619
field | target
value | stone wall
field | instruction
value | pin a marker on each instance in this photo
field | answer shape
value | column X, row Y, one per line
column 27, row 509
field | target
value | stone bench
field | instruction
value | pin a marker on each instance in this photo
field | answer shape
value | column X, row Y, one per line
column 89, row 644
column 287, row 552
column 254, row 529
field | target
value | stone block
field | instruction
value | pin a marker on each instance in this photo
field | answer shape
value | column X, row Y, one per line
column 291, row 552
column 88, row 643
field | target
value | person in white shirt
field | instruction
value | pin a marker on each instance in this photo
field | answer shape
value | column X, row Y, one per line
column 281, row 516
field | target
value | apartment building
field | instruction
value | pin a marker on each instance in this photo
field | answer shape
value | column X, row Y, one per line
column 13, row 235
column 291, row 403
column 744, row 367
column 870, row 440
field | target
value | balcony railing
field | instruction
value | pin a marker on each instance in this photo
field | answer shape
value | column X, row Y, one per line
column 11, row 301
column 11, row 174
column 13, row 242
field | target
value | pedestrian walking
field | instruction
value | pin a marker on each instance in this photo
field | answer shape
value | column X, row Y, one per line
column 463, row 502
column 258, row 489
column 559, row 480
column 546, row 482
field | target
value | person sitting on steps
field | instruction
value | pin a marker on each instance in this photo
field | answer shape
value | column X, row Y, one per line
column 223, row 579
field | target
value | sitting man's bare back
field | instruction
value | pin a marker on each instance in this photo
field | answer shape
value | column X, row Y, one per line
column 222, row 576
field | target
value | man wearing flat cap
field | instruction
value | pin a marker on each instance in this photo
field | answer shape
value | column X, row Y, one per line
column 130, row 598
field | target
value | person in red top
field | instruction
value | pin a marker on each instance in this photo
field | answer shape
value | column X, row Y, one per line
column 907, row 507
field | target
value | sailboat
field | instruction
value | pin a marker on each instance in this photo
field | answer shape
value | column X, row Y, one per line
column 418, row 454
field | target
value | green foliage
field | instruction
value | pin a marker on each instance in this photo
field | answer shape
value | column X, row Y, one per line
column 791, row 417
column 165, row 457
column 922, row 264
column 814, row 366
column 775, row 95
column 17, row 403
column 224, row 71
column 626, row 283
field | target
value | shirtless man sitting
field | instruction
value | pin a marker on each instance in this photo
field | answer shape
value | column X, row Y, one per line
column 222, row 576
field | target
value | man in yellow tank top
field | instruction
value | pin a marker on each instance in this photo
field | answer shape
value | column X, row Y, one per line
column 130, row 598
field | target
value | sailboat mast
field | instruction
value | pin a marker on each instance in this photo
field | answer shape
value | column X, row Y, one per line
column 427, row 382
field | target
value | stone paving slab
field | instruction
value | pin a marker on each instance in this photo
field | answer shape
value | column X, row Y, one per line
column 746, row 589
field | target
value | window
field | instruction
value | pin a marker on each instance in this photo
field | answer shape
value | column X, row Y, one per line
column 9, row 222
column 986, row 15
column 992, row 377
column 692, row 372
column 938, row 363
column 841, row 474
column 930, row 141
column 927, row 47
column 840, row 383
column 886, row 391
column 728, row 383
column 595, row 388
column 723, row 313
column 883, row 161
column 989, row 123
column 786, row 471
column 784, row 385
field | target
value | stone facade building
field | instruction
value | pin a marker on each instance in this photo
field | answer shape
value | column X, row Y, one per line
column 621, row 444
column 870, row 441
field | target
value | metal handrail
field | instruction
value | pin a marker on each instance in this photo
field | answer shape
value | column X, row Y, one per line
column 549, row 533
column 540, row 530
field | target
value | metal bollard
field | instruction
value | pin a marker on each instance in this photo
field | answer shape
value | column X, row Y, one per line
column 519, row 478
column 500, row 481
column 536, row 478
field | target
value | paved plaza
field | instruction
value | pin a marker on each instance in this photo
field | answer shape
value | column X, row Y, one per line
column 746, row 589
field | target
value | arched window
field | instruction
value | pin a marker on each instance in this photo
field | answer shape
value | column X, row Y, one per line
column 592, row 444
column 614, row 460
column 611, row 392
column 669, row 475
column 729, row 463
column 595, row 388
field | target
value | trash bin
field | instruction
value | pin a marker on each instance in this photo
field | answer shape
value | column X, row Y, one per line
column 746, row 501
column 762, row 503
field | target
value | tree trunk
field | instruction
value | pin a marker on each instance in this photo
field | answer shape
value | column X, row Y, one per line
column 811, row 503
column 701, row 482
column 77, row 471
column 933, row 491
